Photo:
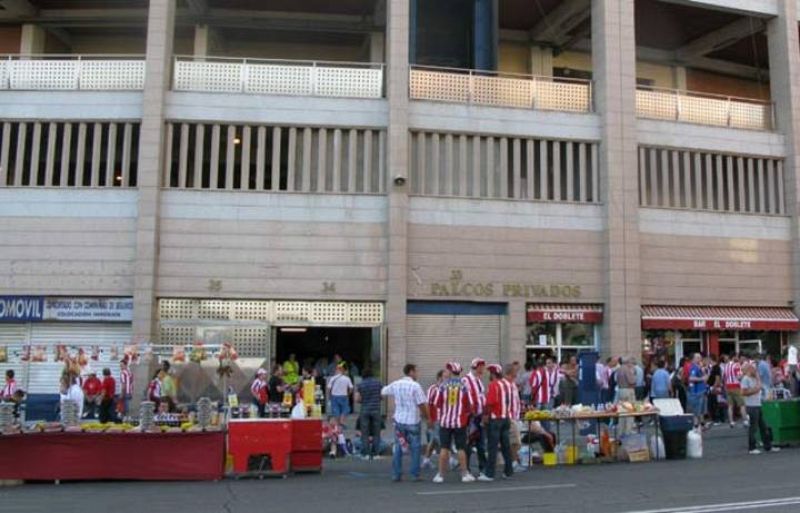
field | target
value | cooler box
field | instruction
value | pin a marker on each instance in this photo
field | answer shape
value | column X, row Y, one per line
column 306, row 445
column 784, row 419
column 260, row 446
column 674, row 427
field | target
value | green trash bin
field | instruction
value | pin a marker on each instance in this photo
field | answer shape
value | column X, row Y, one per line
column 783, row 417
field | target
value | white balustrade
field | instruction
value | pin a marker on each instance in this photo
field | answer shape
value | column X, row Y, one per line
column 703, row 109
column 301, row 78
column 70, row 73
column 484, row 88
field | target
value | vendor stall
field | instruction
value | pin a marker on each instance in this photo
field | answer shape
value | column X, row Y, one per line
column 601, row 443
column 121, row 456
column 265, row 447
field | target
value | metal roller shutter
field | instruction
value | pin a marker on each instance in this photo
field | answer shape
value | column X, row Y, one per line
column 44, row 376
column 436, row 339
column 13, row 337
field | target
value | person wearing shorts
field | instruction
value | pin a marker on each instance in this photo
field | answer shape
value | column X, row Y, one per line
column 339, row 389
column 731, row 377
column 454, row 404
column 434, row 442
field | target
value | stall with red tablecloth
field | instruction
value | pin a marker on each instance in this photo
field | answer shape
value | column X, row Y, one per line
column 120, row 456
column 274, row 446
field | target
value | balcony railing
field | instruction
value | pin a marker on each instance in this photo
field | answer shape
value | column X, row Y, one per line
column 500, row 89
column 72, row 72
column 258, row 76
column 704, row 108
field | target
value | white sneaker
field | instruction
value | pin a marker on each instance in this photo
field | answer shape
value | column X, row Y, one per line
column 438, row 479
column 467, row 478
column 755, row 451
column 483, row 478
column 746, row 423
column 518, row 468
column 775, row 449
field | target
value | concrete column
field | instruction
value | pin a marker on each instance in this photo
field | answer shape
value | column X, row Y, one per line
column 541, row 62
column 614, row 68
column 377, row 47
column 160, row 31
column 32, row 39
column 679, row 78
column 486, row 34
column 202, row 40
column 513, row 348
column 784, row 58
column 397, row 53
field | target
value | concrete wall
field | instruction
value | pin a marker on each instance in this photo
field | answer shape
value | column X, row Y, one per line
column 707, row 82
column 263, row 245
column 504, row 241
column 67, row 241
column 71, row 105
column 10, row 39
column 714, row 259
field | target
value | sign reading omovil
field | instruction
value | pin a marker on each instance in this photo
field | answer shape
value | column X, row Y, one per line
column 89, row 309
column 85, row 309
column 458, row 286
column 21, row 308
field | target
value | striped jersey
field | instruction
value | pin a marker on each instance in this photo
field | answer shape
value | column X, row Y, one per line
column 125, row 382
column 433, row 409
column 154, row 389
column 499, row 399
column 516, row 404
column 8, row 390
column 477, row 392
column 731, row 374
column 455, row 404
column 259, row 390
column 539, row 389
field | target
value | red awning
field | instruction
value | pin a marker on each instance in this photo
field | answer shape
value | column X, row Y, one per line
column 735, row 318
column 549, row 312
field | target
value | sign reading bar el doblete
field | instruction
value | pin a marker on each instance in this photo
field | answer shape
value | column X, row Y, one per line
column 85, row 309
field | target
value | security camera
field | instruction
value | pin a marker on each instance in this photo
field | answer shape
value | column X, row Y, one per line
column 399, row 180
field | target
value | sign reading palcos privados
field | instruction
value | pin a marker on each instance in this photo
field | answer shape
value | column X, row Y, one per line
column 458, row 286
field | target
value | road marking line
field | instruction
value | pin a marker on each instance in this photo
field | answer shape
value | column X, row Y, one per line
column 500, row 489
column 723, row 507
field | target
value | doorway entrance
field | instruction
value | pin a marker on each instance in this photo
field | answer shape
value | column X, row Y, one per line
column 688, row 347
column 315, row 347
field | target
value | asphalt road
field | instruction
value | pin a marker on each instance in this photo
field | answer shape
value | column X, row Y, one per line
column 727, row 479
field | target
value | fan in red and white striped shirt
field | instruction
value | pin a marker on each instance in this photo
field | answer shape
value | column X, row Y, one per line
column 499, row 397
column 455, row 404
column 475, row 385
column 731, row 374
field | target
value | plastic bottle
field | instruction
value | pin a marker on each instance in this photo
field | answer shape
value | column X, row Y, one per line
column 605, row 443
column 694, row 444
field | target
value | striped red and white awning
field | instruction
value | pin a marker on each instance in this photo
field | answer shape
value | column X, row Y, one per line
column 551, row 312
column 719, row 318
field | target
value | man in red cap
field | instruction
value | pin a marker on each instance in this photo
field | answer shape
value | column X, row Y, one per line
column 474, row 382
column 498, row 413
column 454, row 403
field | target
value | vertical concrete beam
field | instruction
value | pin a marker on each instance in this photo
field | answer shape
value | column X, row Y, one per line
column 397, row 53
column 614, row 68
column 377, row 47
column 784, row 56
column 679, row 78
column 160, row 31
column 32, row 39
column 202, row 40
column 541, row 62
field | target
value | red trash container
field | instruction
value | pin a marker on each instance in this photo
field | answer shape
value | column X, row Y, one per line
column 260, row 446
column 306, row 445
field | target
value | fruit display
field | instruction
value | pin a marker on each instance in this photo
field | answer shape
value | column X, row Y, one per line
column 590, row 411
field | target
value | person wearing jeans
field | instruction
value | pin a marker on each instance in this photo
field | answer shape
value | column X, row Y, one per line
column 751, row 390
column 498, row 415
column 368, row 394
column 410, row 406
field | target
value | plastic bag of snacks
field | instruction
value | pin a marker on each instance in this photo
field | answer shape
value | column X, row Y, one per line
column 198, row 353
column 178, row 354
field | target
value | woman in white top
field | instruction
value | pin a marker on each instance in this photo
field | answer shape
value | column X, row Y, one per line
column 71, row 391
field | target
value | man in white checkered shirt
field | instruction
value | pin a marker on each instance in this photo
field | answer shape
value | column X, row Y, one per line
column 410, row 406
